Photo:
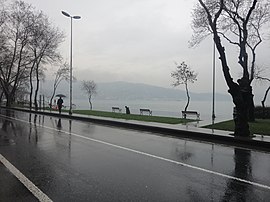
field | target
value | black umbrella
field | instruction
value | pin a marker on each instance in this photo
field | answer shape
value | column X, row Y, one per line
column 60, row 95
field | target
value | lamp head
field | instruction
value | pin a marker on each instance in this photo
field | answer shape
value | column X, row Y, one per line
column 76, row 17
column 66, row 14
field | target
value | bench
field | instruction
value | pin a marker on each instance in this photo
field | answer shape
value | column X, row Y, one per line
column 115, row 109
column 146, row 110
column 185, row 113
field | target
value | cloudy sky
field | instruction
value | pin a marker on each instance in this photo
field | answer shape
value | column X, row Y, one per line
column 137, row 41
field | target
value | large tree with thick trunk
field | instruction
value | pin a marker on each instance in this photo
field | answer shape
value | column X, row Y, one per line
column 239, row 23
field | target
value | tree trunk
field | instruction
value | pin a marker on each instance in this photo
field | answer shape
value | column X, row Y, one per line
column 251, row 106
column 31, row 89
column 36, row 95
column 251, row 110
column 188, row 97
column 1, row 97
column 241, row 122
column 263, row 110
column 9, row 95
column 37, row 87
column 263, row 101
column 90, row 103
column 31, row 85
column 240, row 99
column 9, row 100
column 239, row 92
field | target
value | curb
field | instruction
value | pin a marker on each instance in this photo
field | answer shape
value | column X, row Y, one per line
column 222, row 137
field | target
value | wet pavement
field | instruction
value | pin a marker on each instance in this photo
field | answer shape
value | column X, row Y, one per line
column 190, row 130
column 12, row 189
column 72, row 160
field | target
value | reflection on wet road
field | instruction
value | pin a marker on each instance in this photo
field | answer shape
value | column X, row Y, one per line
column 81, row 161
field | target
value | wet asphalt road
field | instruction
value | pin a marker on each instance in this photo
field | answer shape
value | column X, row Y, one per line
column 77, row 161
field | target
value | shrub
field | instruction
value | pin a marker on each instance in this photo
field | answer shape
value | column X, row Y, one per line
column 261, row 113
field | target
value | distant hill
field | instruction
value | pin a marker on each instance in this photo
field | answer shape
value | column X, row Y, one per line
column 138, row 91
column 133, row 91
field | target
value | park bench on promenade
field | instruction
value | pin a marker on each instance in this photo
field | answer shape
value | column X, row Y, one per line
column 116, row 109
column 185, row 113
column 147, row 111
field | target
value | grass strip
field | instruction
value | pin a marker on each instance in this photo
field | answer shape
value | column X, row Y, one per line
column 260, row 126
column 116, row 115
column 146, row 118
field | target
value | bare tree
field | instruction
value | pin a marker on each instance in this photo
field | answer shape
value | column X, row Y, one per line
column 61, row 74
column 16, row 30
column 258, row 76
column 2, row 43
column 265, row 95
column 239, row 22
column 44, row 44
column 27, row 42
column 183, row 75
column 90, row 88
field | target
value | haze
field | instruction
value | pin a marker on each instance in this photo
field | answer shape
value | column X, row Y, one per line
column 138, row 41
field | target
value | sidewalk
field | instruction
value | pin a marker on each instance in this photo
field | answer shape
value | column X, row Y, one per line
column 190, row 130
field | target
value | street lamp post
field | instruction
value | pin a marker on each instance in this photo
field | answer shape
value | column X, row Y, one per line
column 214, row 79
column 70, row 94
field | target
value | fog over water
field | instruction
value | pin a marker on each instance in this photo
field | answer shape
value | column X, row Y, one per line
column 223, row 109
column 139, row 42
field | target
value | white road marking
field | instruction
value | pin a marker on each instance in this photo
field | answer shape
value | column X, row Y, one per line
column 25, row 181
column 153, row 156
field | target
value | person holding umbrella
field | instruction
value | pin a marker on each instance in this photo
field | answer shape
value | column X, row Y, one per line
column 60, row 104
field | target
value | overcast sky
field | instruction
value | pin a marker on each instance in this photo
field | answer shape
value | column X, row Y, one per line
column 136, row 41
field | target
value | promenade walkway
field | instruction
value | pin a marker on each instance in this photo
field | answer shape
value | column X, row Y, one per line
column 191, row 130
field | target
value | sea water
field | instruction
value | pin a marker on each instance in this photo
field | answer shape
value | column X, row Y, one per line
column 223, row 109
